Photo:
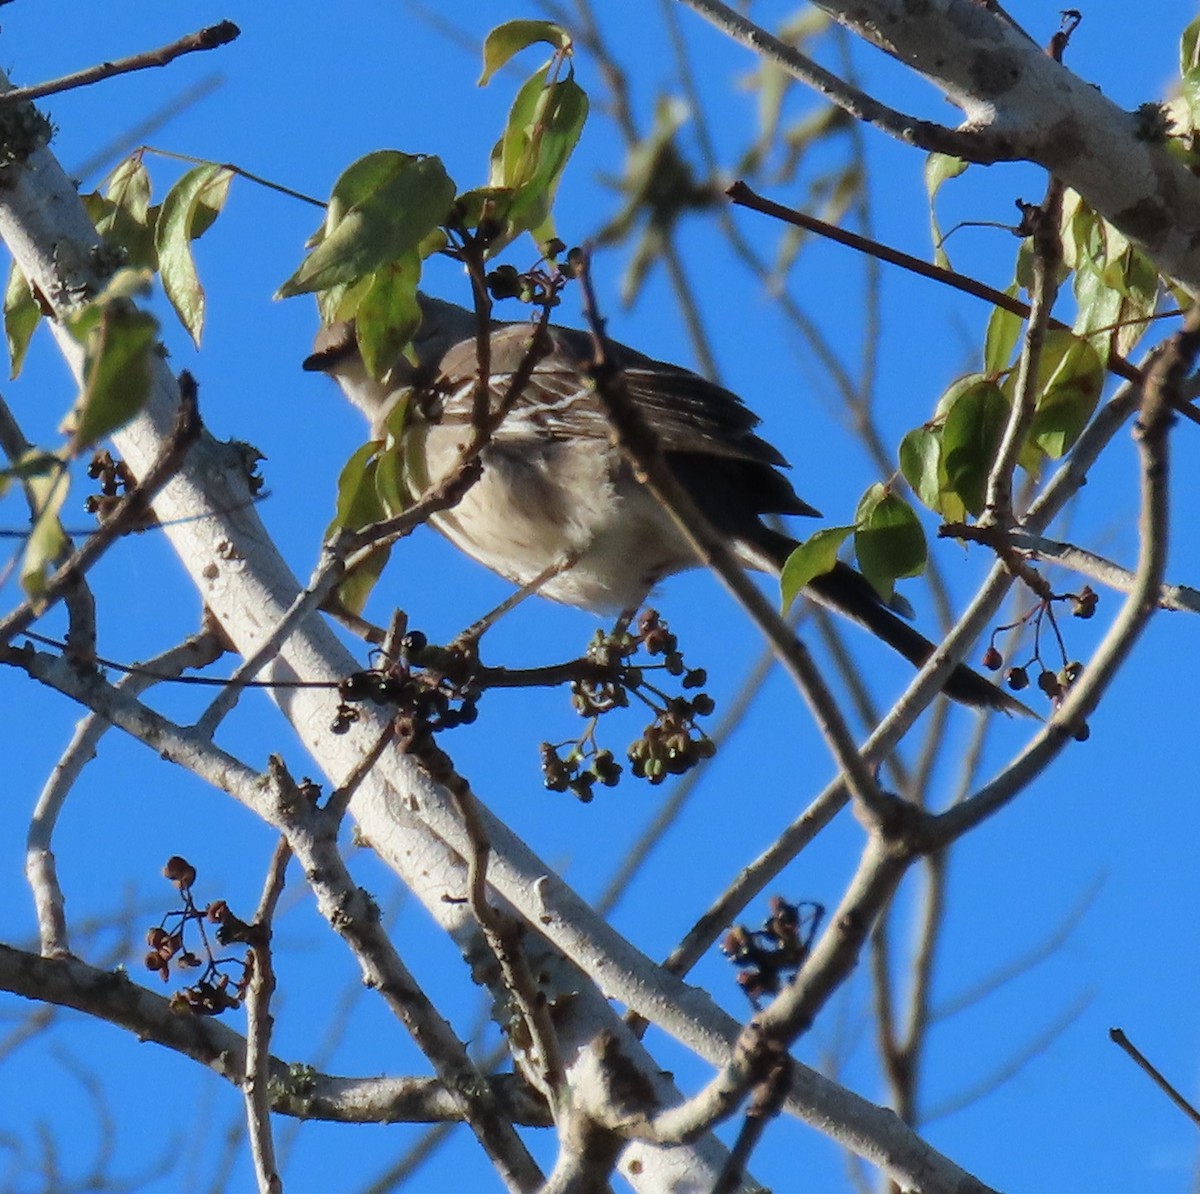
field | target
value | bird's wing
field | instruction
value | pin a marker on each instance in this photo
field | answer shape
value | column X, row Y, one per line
column 689, row 414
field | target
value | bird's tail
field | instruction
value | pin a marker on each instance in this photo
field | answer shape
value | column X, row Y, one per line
column 850, row 593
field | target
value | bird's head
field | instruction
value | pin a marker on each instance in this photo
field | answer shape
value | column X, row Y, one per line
column 336, row 352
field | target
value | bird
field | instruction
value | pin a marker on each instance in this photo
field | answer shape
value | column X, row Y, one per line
column 559, row 506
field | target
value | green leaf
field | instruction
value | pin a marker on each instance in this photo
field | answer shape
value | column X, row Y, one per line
column 123, row 215
column 1142, row 288
column 47, row 542
column 391, row 475
column 492, row 204
column 189, row 209
column 381, row 209
column 814, row 557
column 1097, row 306
column 939, row 168
column 387, row 315
column 34, row 463
column 1003, row 332
column 1069, row 208
column 357, row 502
column 1071, row 376
column 129, row 188
column 120, row 342
column 359, row 505
column 341, row 301
column 921, row 464
column 971, row 434
column 889, row 541
column 1189, row 49
column 1087, row 237
column 543, row 128
column 357, row 585
column 508, row 40
column 21, row 316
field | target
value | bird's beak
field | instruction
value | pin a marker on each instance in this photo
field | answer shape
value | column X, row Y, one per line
column 334, row 346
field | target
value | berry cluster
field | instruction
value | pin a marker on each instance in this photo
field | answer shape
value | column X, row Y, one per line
column 1053, row 681
column 115, row 481
column 772, row 956
column 215, row 991
column 433, row 690
column 670, row 745
column 540, row 286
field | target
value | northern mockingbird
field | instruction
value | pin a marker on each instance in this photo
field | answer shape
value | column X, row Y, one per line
column 555, row 488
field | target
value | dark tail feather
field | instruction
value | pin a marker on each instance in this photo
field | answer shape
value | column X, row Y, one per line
column 850, row 593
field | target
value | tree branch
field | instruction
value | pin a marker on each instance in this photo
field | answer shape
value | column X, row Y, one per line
column 209, row 38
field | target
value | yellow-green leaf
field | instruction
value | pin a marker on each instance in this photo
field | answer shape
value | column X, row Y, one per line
column 21, row 316
column 508, row 40
column 357, row 503
column 1003, row 332
column 1074, row 378
column 939, row 167
column 543, row 128
column 117, row 372
column 382, row 208
column 889, row 541
column 387, row 315
column 814, row 557
column 1189, row 48
column 47, row 542
column 123, row 215
column 356, row 586
column 974, row 425
column 920, row 463
column 188, row 210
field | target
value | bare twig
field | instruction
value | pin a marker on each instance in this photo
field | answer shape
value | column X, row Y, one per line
column 1027, row 1052
column 209, row 38
column 311, row 834
column 40, row 867
column 1164, row 381
column 766, row 1104
column 1047, row 258
column 1118, row 1037
column 1077, row 559
column 541, row 1057
column 259, row 1024
column 639, row 444
column 127, row 141
column 744, row 196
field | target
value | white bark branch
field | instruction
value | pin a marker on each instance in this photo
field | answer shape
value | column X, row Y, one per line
column 1019, row 105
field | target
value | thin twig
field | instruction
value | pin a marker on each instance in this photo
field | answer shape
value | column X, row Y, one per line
column 1118, row 1037
column 259, row 1023
column 1164, row 382
column 1047, row 258
column 209, row 38
column 744, row 196
column 1012, row 1065
column 1077, row 559
column 542, row 1057
column 641, row 447
column 312, row 836
column 40, row 867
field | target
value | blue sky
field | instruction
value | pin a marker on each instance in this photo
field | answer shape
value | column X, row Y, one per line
column 303, row 93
